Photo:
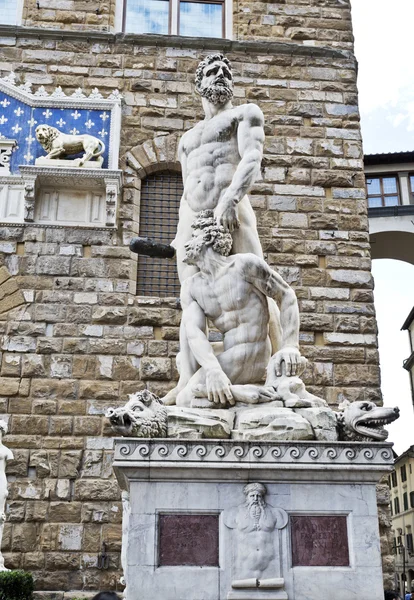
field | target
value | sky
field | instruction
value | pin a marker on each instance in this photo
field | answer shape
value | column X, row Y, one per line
column 383, row 46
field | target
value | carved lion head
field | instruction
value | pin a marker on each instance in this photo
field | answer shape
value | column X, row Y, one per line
column 45, row 134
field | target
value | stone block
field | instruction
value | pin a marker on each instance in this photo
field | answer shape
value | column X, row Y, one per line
column 91, row 490
column 153, row 316
column 34, row 561
column 95, row 513
column 24, row 537
column 298, row 190
column 155, row 368
column 109, row 315
column 60, row 426
column 33, row 424
column 87, row 426
column 101, row 390
column 85, row 298
column 112, row 536
column 300, row 146
column 61, row 366
column 70, row 537
column 64, row 561
column 350, row 339
column 350, row 278
column 4, row 274
column 53, row 388
column 51, row 265
column 37, row 511
column 19, row 464
column 33, row 365
column 9, row 386
column 69, row 464
column 294, row 220
column 16, row 512
column 65, row 512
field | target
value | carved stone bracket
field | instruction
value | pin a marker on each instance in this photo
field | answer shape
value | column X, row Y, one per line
column 6, row 149
column 112, row 200
column 29, row 199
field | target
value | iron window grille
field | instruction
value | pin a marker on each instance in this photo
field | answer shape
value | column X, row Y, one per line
column 196, row 18
column 160, row 200
column 383, row 191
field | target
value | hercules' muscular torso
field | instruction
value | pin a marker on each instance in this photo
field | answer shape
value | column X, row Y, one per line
column 210, row 155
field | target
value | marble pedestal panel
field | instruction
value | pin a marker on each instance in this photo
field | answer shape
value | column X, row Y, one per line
column 195, row 532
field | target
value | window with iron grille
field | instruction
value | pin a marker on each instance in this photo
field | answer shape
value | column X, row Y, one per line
column 160, row 200
column 382, row 191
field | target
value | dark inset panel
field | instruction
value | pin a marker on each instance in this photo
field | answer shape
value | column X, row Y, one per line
column 191, row 540
column 319, row 541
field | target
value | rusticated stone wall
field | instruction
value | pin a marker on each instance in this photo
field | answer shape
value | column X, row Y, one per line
column 83, row 341
column 319, row 22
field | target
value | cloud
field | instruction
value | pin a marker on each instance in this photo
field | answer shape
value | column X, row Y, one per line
column 397, row 119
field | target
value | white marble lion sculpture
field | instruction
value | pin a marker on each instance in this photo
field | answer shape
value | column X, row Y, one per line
column 58, row 144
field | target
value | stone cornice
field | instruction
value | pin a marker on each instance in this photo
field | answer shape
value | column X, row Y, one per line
column 220, row 452
column 206, row 44
column 218, row 459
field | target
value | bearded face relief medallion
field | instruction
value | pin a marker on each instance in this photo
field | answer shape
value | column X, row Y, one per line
column 256, row 541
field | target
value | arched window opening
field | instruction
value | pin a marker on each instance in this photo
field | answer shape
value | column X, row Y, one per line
column 160, row 200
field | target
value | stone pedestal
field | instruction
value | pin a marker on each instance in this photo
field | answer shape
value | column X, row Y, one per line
column 200, row 530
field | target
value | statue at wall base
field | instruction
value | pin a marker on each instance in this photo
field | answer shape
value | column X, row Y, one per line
column 249, row 386
column 5, row 455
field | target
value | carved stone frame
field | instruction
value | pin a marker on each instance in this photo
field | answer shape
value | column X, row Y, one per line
column 154, row 155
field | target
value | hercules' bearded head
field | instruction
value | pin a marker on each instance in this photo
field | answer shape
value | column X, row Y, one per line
column 214, row 79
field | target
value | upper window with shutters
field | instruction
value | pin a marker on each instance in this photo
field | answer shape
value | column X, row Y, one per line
column 195, row 18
